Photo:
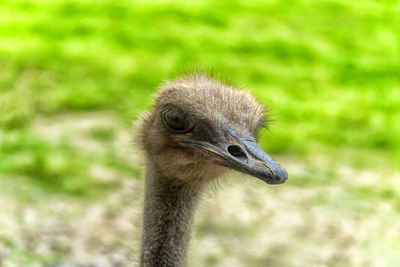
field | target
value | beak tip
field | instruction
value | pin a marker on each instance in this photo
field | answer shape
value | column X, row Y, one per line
column 279, row 176
column 282, row 176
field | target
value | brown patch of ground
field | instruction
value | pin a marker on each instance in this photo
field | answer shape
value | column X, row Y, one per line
column 244, row 223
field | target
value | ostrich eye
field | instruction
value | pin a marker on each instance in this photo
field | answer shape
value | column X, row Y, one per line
column 176, row 121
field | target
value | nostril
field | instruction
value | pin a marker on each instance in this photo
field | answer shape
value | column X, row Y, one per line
column 236, row 151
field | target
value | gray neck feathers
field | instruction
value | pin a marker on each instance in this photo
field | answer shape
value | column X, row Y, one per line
column 168, row 216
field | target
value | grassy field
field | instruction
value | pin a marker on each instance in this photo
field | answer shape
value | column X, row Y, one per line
column 74, row 74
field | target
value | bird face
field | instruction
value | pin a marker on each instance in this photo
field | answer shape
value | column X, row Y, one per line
column 203, row 123
column 220, row 144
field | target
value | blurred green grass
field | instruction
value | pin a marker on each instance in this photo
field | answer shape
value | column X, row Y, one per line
column 329, row 71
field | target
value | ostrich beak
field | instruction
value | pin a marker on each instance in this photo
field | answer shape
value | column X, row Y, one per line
column 259, row 164
column 242, row 155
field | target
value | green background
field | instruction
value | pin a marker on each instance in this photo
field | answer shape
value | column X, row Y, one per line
column 329, row 72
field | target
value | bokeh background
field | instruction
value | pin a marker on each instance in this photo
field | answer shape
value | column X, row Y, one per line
column 74, row 74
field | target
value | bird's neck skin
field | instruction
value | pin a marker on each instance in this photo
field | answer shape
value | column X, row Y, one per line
column 167, row 220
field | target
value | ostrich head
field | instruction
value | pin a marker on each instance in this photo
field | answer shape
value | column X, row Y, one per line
column 199, row 128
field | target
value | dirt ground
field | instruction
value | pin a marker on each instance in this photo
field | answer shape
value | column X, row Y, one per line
column 240, row 221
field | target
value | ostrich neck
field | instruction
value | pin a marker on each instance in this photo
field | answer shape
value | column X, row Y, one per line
column 167, row 222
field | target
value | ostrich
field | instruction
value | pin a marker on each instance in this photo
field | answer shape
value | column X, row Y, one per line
column 197, row 129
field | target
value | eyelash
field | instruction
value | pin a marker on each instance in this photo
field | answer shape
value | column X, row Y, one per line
column 169, row 113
